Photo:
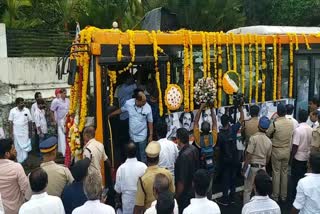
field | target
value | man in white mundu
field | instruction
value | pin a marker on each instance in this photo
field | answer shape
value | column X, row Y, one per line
column 20, row 129
column 60, row 108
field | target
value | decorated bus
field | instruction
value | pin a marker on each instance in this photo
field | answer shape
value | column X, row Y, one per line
column 261, row 64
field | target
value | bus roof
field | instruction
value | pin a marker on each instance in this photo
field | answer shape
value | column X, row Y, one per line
column 272, row 30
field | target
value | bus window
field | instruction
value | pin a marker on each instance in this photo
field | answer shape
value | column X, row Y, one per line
column 317, row 76
column 303, row 73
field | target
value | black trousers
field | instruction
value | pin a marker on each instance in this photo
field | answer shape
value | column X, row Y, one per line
column 229, row 175
column 298, row 169
column 123, row 139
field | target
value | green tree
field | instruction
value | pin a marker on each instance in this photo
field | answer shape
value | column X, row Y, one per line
column 15, row 14
column 210, row 15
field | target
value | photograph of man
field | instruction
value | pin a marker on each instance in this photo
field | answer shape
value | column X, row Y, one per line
column 186, row 120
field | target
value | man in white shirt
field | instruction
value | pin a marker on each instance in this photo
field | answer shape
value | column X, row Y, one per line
column 41, row 202
column 313, row 119
column 93, row 190
column 302, row 137
column 93, row 149
column 290, row 109
column 261, row 203
column 161, row 185
column 201, row 204
column 21, row 129
column 314, row 105
column 169, row 150
column 39, row 118
column 33, row 109
column 127, row 179
column 308, row 189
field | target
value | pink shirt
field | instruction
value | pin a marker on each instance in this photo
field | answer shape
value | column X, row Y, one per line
column 14, row 186
column 302, row 137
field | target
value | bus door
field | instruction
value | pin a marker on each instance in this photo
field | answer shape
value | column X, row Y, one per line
column 307, row 70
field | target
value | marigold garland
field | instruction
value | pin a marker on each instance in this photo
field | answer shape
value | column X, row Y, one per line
column 186, row 72
column 132, row 45
column 296, row 41
column 257, row 68
column 191, row 73
column 243, row 65
column 155, row 53
column 306, row 41
column 119, row 52
column 250, row 69
column 274, row 67
column 204, row 53
column 208, row 55
column 113, row 80
column 219, row 71
column 290, row 66
column 228, row 52
column 215, row 61
column 264, row 67
column 234, row 53
column 279, row 69
column 168, row 73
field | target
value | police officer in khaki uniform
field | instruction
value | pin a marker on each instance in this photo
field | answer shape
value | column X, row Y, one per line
column 58, row 175
column 250, row 127
column 258, row 154
column 315, row 144
column 144, row 195
column 280, row 132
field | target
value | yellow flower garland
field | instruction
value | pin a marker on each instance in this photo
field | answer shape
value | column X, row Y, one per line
column 192, row 72
column 215, row 61
column 155, row 53
column 297, row 41
column 279, row 69
column 119, row 52
column 234, row 53
column 250, row 69
column 204, row 53
column 228, row 52
column 186, row 71
column 274, row 67
column 306, row 41
column 264, row 67
column 257, row 68
column 219, row 71
column 208, row 55
column 168, row 73
column 74, row 95
column 290, row 66
column 113, row 80
column 132, row 45
column 243, row 65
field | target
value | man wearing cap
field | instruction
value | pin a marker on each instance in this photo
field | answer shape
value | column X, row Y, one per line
column 60, row 108
column 58, row 176
column 144, row 195
column 280, row 132
column 315, row 144
column 258, row 154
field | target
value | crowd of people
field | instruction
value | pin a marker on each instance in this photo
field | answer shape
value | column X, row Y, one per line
column 159, row 175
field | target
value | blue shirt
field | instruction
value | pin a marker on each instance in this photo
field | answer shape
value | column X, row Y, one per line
column 125, row 93
column 73, row 196
column 138, row 118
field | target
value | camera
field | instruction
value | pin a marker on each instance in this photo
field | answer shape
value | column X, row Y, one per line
column 237, row 99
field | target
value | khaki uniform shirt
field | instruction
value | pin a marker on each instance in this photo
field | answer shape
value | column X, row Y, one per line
column 316, row 139
column 58, row 177
column 94, row 150
column 260, row 147
column 281, row 132
column 146, row 197
column 250, row 128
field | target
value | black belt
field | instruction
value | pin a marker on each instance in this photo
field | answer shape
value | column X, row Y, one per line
column 255, row 165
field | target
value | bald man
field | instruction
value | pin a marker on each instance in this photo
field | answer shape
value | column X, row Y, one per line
column 140, row 119
column 93, row 149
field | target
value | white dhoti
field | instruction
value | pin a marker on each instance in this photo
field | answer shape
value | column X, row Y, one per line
column 128, row 201
column 61, row 137
column 22, row 144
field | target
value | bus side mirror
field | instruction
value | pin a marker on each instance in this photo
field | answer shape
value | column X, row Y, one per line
column 72, row 71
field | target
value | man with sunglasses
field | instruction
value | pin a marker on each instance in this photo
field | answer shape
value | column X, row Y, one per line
column 140, row 120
